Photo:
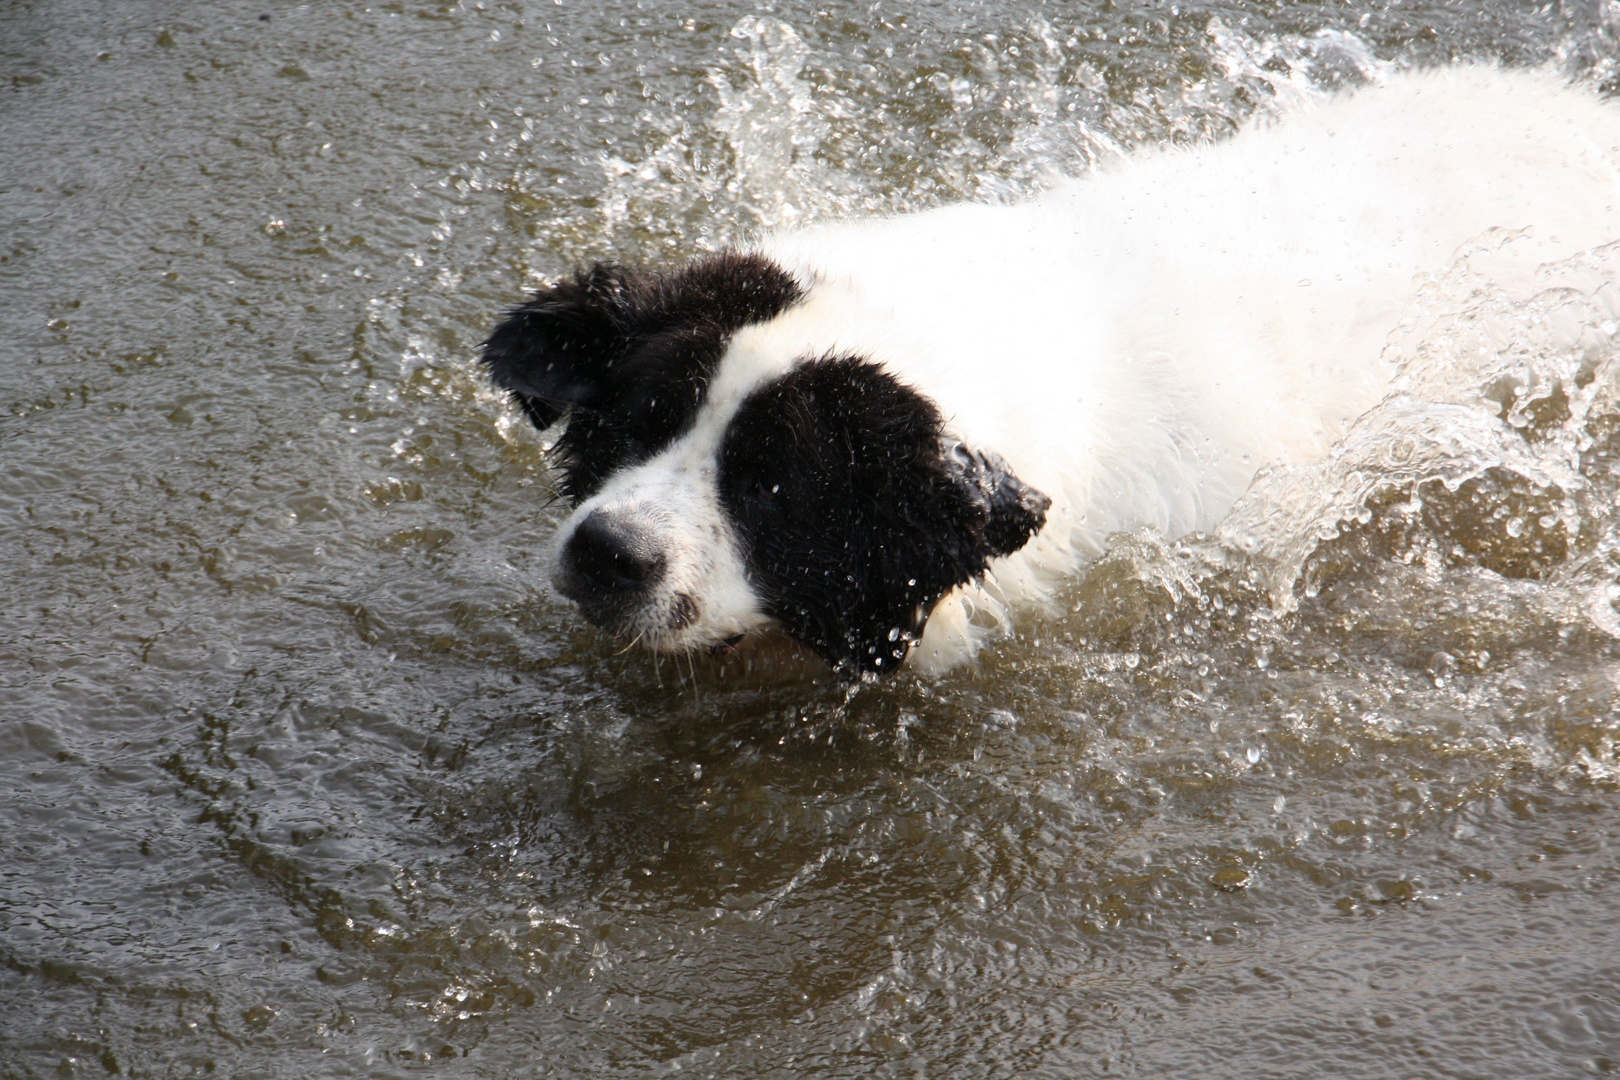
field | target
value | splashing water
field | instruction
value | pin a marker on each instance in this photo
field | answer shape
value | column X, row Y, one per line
column 1488, row 385
column 792, row 139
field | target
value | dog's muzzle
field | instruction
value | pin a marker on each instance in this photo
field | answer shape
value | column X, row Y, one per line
column 610, row 567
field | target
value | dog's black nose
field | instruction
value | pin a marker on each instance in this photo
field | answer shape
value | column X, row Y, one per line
column 609, row 557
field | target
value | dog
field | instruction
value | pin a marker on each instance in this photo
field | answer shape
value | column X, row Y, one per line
column 887, row 437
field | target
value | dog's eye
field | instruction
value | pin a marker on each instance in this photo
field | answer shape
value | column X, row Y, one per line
column 765, row 491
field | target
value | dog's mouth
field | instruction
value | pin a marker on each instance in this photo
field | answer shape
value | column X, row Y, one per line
column 632, row 617
column 726, row 647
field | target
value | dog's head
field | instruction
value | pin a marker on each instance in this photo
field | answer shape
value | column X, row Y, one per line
column 714, row 495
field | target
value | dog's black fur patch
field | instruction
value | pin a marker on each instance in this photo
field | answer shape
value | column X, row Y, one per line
column 856, row 515
column 627, row 354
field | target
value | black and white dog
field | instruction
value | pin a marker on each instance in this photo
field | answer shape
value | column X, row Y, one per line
column 885, row 437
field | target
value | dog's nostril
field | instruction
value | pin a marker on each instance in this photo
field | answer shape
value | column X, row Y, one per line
column 612, row 554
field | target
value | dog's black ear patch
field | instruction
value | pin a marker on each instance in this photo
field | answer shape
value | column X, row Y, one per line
column 857, row 515
column 558, row 349
column 627, row 354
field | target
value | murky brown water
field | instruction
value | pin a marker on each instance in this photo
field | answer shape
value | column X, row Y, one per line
column 305, row 772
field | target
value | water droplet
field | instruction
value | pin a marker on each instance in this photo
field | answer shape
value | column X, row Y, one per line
column 1253, row 755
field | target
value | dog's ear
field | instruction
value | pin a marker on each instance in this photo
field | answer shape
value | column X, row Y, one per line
column 597, row 341
column 557, row 351
column 1013, row 511
column 857, row 514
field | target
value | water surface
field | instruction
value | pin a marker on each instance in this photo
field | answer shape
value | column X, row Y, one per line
column 305, row 771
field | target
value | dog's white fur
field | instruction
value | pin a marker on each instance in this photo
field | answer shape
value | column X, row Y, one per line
column 1138, row 343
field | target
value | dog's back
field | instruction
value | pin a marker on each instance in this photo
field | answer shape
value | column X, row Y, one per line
column 1138, row 343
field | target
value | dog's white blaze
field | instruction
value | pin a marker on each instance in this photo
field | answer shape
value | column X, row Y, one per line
column 676, row 496
column 1138, row 344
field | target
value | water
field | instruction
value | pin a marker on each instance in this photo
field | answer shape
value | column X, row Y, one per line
column 307, row 773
